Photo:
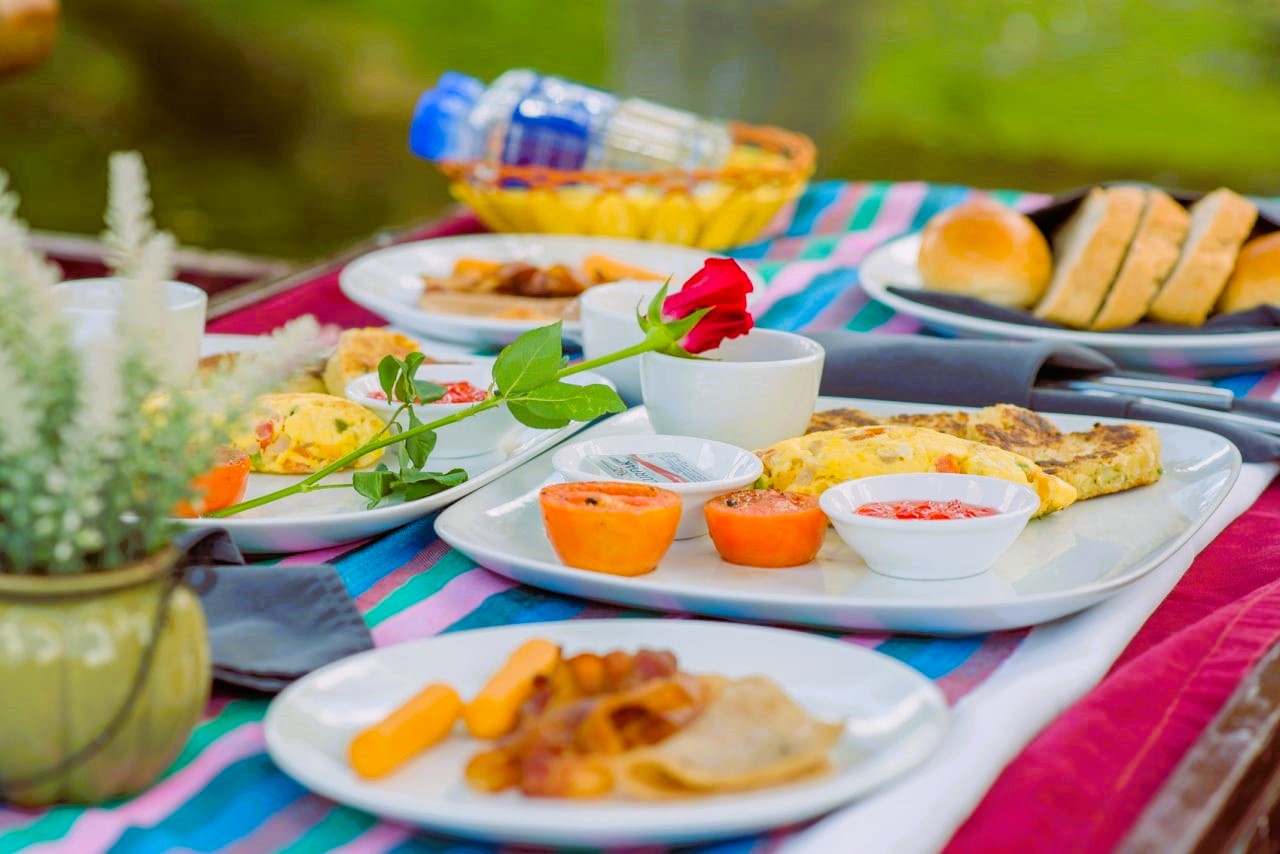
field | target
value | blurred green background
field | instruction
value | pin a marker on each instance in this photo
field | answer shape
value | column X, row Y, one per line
column 278, row 127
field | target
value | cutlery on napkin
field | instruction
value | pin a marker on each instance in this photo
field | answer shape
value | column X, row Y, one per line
column 1036, row 375
column 269, row 625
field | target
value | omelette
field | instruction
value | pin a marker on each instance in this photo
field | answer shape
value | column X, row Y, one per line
column 299, row 433
column 813, row 463
column 358, row 353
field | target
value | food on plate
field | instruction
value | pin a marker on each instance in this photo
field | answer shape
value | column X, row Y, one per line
column 601, row 270
column 1161, row 230
column 359, row 351
column 813, row 463
column 496, row 709
column 620, row 528
column 925, row 510
column 308, row 380
column 983, row 249
column 425, row 719
column 1087, row 252
column 1220, row 223
column 302, row 433
column 1256, row 278
column 751, row 735
column 1105, row 459
column 456, row 392
column 766, row 528
column 518, row 290
column 221, row 486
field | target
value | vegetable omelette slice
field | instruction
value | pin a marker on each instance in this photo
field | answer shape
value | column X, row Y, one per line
column 813, row 463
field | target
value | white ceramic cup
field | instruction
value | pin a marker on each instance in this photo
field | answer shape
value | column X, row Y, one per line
column 92, row 307
column 752, row 391
column 609, row 325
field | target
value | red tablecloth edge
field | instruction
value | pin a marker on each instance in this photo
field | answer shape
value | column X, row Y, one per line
column 322, row 297
column 1095, row 768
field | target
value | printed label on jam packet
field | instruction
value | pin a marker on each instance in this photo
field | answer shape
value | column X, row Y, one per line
column 659, row 467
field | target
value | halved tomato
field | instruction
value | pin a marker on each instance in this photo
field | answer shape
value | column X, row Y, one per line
column 220, row 487
column 766, row 528
column 618, row 528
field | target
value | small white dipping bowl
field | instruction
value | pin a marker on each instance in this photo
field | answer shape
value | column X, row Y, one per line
column 479, row 434
column 726, row 467
column 930, row 549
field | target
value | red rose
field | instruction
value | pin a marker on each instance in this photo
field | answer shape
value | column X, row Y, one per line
column 722, row 286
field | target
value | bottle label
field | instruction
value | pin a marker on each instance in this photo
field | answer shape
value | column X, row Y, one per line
column 659, row 467
column 552, row 124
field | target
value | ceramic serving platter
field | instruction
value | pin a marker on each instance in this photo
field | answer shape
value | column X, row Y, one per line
column 1059, row 565
column 894, row 265
column 388, row 282
column 333, row 517
column 894, row 719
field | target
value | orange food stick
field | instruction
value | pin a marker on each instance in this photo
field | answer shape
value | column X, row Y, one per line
column 601, row 269
column 494, row 711
column 422, row 721
column 475, row 265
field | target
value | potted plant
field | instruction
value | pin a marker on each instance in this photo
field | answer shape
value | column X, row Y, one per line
column 103, row 648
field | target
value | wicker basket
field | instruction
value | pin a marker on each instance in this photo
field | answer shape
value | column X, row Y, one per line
column 711, row 209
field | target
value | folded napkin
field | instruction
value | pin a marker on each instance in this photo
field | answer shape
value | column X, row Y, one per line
column 981, row 373
column 269, row 625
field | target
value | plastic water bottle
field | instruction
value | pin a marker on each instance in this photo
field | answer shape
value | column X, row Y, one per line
column 528, row 119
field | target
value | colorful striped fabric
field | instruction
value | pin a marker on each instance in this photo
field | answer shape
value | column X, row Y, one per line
column 224, row 794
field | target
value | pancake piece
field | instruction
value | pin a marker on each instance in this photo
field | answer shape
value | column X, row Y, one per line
column 951, row 423
column 1151, row 256
column 751, row 735
column 815, row 462
column 358, row 353
column 1087, row 251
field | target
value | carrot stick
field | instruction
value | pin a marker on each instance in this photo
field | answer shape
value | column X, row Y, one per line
column 425, row 719
column 494, row 711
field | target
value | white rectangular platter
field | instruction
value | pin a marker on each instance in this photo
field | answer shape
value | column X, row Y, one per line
column 1060, row 565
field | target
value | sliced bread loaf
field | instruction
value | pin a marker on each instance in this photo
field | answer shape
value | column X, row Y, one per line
column 1220, row 222
column 1152, row 254
column 1087, row 251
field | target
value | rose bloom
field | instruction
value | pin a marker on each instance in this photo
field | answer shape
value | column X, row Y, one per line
column 722, row 286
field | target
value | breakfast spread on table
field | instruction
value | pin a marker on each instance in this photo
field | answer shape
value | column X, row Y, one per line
column 590, row 725
column 518, row 290
column 1124, row 254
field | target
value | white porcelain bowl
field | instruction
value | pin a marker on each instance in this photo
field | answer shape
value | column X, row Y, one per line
column 726, row 467
column 609, row 324
column 479, row 434
column 752, row 391
column 930, row 549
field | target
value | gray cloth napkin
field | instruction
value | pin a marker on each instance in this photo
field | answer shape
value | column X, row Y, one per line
column 981, row 373
column 269, row 625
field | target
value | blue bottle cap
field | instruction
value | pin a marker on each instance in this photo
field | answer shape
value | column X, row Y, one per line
column 433, row 132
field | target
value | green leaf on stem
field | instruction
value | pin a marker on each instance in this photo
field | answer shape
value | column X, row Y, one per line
column 404, row 384
column 559, row 403
column 419, row 484
column 529, row 418
column 428, row 392
column 419, row 447
column 374, row 485
column 388, row 369
column 530, row 361
column 655, row 304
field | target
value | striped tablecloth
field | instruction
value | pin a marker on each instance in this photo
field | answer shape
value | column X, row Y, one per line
column 224, row 793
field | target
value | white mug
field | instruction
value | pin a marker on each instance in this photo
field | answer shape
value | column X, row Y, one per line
column 609, row 325
column 92, row 307
column 752, row 391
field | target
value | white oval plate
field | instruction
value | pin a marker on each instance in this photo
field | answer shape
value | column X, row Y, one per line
column 333, row 517
column 895, row 719
column 1059, row 565
column 894, row 265
column 389, row 281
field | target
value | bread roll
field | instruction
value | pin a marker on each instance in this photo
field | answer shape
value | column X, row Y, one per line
column 1220, row 222
column 985, row 250
column 1087, row 252
column 1256, row 279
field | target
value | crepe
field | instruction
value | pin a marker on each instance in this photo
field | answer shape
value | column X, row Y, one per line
column 751, row 735
column 812, row 463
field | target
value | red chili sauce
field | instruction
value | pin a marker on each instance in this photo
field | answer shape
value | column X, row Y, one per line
column 459, row 392
column 924, row 510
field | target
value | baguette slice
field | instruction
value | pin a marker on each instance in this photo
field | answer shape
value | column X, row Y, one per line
column 1220, row 222
column 1087, row 251
column 1154, row 251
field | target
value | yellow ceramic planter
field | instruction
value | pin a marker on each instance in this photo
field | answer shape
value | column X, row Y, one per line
column 70, row 647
